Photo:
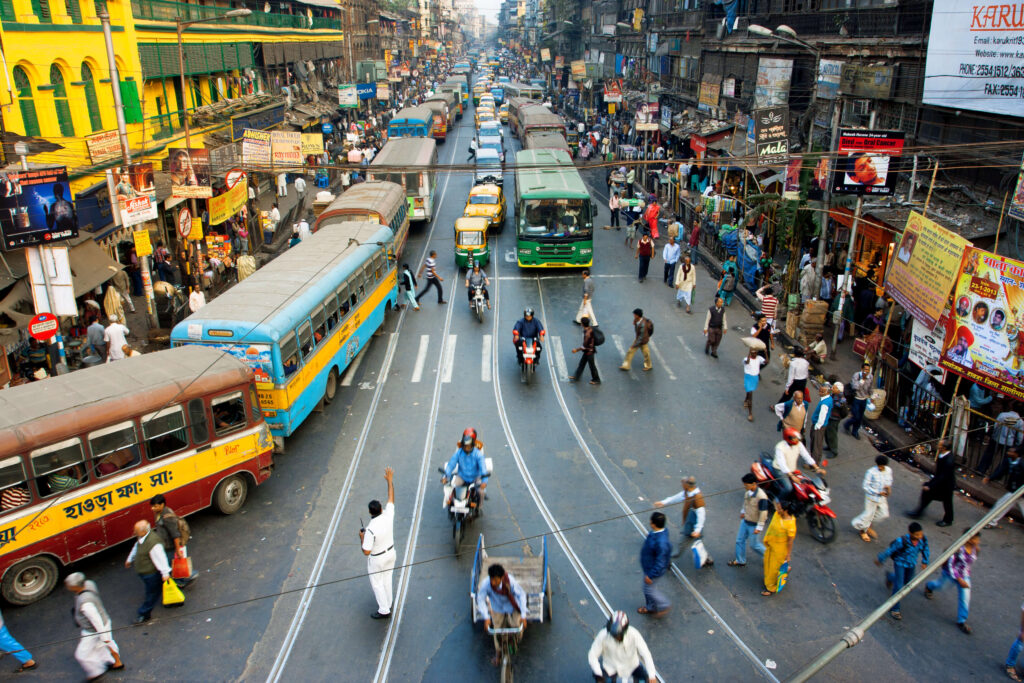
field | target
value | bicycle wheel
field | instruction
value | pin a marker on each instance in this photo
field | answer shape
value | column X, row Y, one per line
column 506, row 666
column 457, row 533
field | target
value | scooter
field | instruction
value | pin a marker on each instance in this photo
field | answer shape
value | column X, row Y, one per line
column 478, row 303
column 528, row 366
column 810, row 499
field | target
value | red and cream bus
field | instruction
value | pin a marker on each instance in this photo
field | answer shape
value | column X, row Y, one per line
column 82, row 454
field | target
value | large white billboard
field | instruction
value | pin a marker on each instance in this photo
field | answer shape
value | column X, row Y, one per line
column 976, row 57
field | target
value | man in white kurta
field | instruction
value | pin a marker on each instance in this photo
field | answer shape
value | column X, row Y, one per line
column 96, row 652
column 378, row 543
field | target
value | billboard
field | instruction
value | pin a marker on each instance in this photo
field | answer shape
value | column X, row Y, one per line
column 347, row 96
column 647, row 116
column 1016, row 209
column 103, row 146
column 286, row 148
column 974, row 57
column 984, row 340
column 227, row 204
column 36, row 207
column 773, row 78
column 255, row 147
column 710, row 90
column 579, row 69
column 863, row 160
column 925, row 268
column 613, row 91
column 136, row 193
column 771, row 135
column 190, row 172
column 829, row 71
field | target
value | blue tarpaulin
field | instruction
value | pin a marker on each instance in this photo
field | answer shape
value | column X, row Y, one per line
column 746, row 257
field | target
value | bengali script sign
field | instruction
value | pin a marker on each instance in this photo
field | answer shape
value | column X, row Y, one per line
column 226, row 205
column 985, row 337
column 926, row 266
column 103, row 146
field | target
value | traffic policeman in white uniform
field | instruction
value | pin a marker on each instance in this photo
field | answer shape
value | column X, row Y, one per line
column 378, row 544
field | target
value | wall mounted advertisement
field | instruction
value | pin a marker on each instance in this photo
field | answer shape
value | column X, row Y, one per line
column 348, row 98
column 136, row 193
column 1016, row 209
column 771, row 135
column 36, row 207
column 190, row 173
column 864, row 162
column 773, row 79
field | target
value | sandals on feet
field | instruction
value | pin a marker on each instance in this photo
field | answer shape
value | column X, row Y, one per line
column 734, row 563
column 864, row 537
column 27, row 667
column 964, row 627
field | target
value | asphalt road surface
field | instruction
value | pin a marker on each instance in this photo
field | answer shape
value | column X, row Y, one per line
column 283, row 595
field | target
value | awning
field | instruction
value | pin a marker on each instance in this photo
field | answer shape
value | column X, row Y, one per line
column 90, row 267
column 13, row 267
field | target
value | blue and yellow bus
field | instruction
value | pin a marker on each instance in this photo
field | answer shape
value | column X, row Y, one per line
column 499, row 93
column 411, row 122
column 300, row 320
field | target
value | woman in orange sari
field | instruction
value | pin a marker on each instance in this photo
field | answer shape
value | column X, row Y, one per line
column 778, row 542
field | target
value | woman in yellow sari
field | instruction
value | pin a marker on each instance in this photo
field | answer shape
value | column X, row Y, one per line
column 778, row 542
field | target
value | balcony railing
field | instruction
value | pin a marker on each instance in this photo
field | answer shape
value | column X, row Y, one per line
column 166, row 10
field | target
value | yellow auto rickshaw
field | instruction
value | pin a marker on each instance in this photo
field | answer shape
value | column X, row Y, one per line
column 471, row 241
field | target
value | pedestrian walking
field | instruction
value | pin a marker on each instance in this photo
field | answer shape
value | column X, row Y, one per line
column 122, row 285
column 150, row 562
column 727, row 283
column 613, row 206
column 778, row 548
column 685, row 280
column 670, row 253
column 433, row 279
column 715, row 326
column 115, row 335
column 377, row 541
column 587, row 303
column 877, row 486
column 174, row 533
column 957, row 570
column 472, row 148
column 97, row 652
column 644, row 253
column 769, row 303
column 694, row 514
column 651, row 214
column 282, row 185
column 620, row 653
column 839, row 411
column 792, row 414
column 1008, row 432
column 673, row 229
column 501, row 603
column 940, row 486
column 655, row 557
column 762, row 330
column 300, row 189
column 904, row 552
column 796, row 377
column 753, row 515
column 819, row 422
column 861, row 385
column 95, row 338
column 409, row 285
column 589, row 350
column 643, row 329
column 694, row 242
column 1012, row 467
column 1015, row 650
column 196, row 299
column 751, row 376
column 10, row 646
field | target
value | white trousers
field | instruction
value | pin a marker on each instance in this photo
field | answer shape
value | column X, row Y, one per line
column 586, row 309
column 381, row 568
column 1003, row 499
column 874, row 511
column 93, row 654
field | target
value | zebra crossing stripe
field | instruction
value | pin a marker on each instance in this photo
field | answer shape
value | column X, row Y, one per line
column 421, row 358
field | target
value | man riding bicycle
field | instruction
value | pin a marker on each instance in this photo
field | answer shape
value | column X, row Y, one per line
column 477, row 278
column 527, row 327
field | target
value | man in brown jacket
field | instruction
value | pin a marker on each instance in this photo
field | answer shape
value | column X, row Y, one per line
column 643, row 328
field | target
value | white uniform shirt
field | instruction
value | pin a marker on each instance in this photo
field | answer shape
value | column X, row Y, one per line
column 300, row 184
column 114, row 336
column 620, row 659
column 799, row 368
column 875, row 482
column 380, row 533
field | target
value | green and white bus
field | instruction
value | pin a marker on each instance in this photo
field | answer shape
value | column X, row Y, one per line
column 411, row 163
column 554, row 212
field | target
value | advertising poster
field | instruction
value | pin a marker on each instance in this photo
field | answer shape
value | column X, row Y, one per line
column 226, row 205
column 143, row 245
column 613, row 91
column 559, row 62
column 383, row 91
column 545, row 54
column 256, row 356
column 286, row 148
column 926, row 345
column 366, row 91
column 190, row 173
column 974, row 57
column 771, row 135
column 136, row 193
column 863, row 161
column 729, row 87
column 347, row 96
column 709, row 94
column 255, row 147
column 773, row 78
column 829, row 71
column 1016, row 209
column 925, row 268
column 312, row 144
column 36, row 207
column 666, row 118
column 579, row 69
column 647, row 116
column 103, row 146
column 984, row 340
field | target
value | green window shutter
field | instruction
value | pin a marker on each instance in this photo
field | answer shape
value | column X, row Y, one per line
column 41, row 8
column 214, row 96
column 60, row 103
column 91, row 101
column 25, row 102
column 7, row 10
column 130, row 100
column 74, row 11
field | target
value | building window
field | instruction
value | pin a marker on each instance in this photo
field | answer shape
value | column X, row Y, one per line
column 7, row 10
column 74, row 11
column 41, row 8
column 91, row 101
column 60, row 102
column 25, row 102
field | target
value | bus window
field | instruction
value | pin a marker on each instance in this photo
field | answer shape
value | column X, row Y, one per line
column 319, row 325
column 306, row 340
column 254, row 405
column 289, row 354
column 197, row 421
column 378, row 267
column 164, row 432
column 13, row 484
column 343, row 300
column 228, row 413
column 114, row 448
column 331, row 312
column 58, row 467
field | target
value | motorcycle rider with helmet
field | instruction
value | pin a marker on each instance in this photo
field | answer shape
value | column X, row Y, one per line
column 788, row 453
column 620, row 653
column 466, row 466
column 476, row 277
column 528, row 327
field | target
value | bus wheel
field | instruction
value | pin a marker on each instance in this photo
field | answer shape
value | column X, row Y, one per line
column 230, row 494
column 332, row 386
column 29, row 580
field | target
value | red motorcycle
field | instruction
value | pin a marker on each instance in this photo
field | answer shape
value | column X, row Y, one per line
column 528, row 349
column 810, row 498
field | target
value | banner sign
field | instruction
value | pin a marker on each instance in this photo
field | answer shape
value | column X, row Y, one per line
column 647, row 116
column 348, row 98
column 974, row 57
column 260, row 119
column 985, row 337
column 771, row 135
column 729, row 87
column 36, row 207
column 613, row 91
column 559, row 62
column 773, row 78
column 256, row 148
column 545, row 54
column 190, row 173
column 863, row 162
column 312, row 144
column 136, row 194
column 383, row 91
column 709, row 93
column 1016, row 209
column 666, row 118
column 638, row 19
column 366, row 91
column 286, row 148
column 925, row 268
column 926, row 345
column 874, row 82
column 829, row 71
column 143, row 245
column 226, row 205
column 103, row 146
column 579, row 69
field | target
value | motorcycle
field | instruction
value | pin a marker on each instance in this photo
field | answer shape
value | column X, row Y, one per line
column 528, row 365
column 810, row 500
column 464, row 504
column 479, row 303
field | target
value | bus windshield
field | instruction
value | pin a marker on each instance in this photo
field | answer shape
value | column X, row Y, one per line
column 558, row 219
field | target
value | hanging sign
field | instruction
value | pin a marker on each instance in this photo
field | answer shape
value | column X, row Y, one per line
column 143, row 245
column 863, row 162
column 43, row 326
column 184, row 222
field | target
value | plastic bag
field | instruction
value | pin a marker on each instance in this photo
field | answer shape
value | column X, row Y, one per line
column 173, row 597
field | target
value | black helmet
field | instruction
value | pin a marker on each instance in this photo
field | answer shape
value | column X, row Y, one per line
column 617, row 624
column 528, row 313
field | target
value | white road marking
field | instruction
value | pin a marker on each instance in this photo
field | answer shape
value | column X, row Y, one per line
column 485, row 359
column 661, row 361
column 449, row 360
column 620, row 344
column 421, row 358
column 350, row 373
column 560, row 277
column 686, row 349
column 558, row 356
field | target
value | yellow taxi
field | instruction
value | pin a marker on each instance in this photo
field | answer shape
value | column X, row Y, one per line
column 503, row 112
column 487, row 200
column 484, row 114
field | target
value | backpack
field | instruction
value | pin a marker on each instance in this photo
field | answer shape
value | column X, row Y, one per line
column 729, row 282
column 184, row 531
column 598, row 336
column 650, row 328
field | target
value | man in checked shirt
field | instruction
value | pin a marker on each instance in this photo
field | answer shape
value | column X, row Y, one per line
column 958, row 570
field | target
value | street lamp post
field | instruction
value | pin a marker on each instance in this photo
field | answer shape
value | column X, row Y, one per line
column 180, row 27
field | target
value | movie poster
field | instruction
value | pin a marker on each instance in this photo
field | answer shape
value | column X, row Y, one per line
column 190, row 173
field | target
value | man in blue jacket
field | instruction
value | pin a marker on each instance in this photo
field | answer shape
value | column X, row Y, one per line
column 466, row 466
column 654, row 559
